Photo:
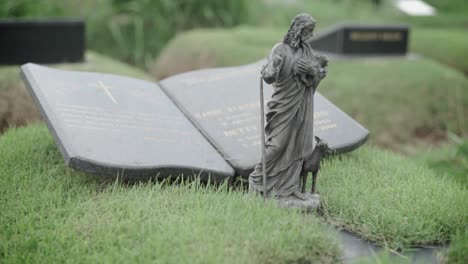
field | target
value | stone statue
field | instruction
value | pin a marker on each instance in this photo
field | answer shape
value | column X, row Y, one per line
column 295, row 70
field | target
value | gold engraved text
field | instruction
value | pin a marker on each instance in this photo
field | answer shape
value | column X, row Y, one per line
column 375, row 36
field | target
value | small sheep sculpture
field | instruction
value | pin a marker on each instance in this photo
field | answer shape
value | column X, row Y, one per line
column 312, row 163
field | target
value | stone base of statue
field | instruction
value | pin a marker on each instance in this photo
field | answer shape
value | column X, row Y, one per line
column 308, row 202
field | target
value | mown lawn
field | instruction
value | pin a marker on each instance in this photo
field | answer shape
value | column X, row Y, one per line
column 450, row 160
column 451, row 14
column 409, row 105
column 446, row 45
column 406, row 104
column 49, row 213
column 52, row 214
column 226, row 47
column 392, row 200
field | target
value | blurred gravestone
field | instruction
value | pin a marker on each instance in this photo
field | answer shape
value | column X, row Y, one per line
column 348, row 39
column 41, row 41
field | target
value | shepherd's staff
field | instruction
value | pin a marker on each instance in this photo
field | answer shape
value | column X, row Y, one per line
column 262, row 128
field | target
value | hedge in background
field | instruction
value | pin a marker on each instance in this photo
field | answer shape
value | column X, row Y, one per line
column 133, row 31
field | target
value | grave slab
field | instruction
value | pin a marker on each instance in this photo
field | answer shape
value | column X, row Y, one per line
column 111, row 125
column 362, row 39
column 41, row 40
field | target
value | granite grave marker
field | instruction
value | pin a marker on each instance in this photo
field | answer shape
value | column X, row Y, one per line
column 41, row 41
column 107, row 125
column 203, row 122
column 355, row 39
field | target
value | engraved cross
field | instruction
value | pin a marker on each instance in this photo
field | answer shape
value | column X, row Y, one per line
column 106, row 89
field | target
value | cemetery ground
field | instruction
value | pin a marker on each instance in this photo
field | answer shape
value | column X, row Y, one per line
column 52, row 212
column 406, row 103
column 414, row 195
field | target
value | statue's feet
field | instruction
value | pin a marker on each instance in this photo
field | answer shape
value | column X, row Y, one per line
column 312, row 195
column 304, row 201
column 299, row 195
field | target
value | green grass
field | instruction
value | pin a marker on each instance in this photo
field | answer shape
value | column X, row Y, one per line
column 406, row 104
column 450, row 6
column 450, row 160
column 224, row 47
column 53, row 214
column 213, row 48
column 457, row 253
column 392, row 200
column 448, row 45
column 326, row 13
column 101, row 63
column 331, row 12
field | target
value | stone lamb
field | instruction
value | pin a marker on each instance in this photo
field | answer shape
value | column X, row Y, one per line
column 312, row 163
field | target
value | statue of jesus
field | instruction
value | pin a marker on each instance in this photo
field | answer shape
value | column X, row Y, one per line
column 294, row 69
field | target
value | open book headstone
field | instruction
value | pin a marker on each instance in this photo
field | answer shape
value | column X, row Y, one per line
column 204, row 123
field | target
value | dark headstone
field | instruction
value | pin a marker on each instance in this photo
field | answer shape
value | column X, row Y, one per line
column 363, row 40
column 111, row 125
column 41, row 41
column 224, row 104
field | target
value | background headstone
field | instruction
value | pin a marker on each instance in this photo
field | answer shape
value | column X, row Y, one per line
column 350, row 39
column 41, row 41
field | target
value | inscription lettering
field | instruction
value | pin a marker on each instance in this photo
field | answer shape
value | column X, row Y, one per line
column 160, row 128
column 363, row 36
column 218, row 76
column 241, row 122
column 239, row 131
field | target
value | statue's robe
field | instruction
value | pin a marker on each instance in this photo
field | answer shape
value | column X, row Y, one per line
column 289, row 128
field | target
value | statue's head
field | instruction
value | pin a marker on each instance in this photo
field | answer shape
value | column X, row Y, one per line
column 300, row 31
